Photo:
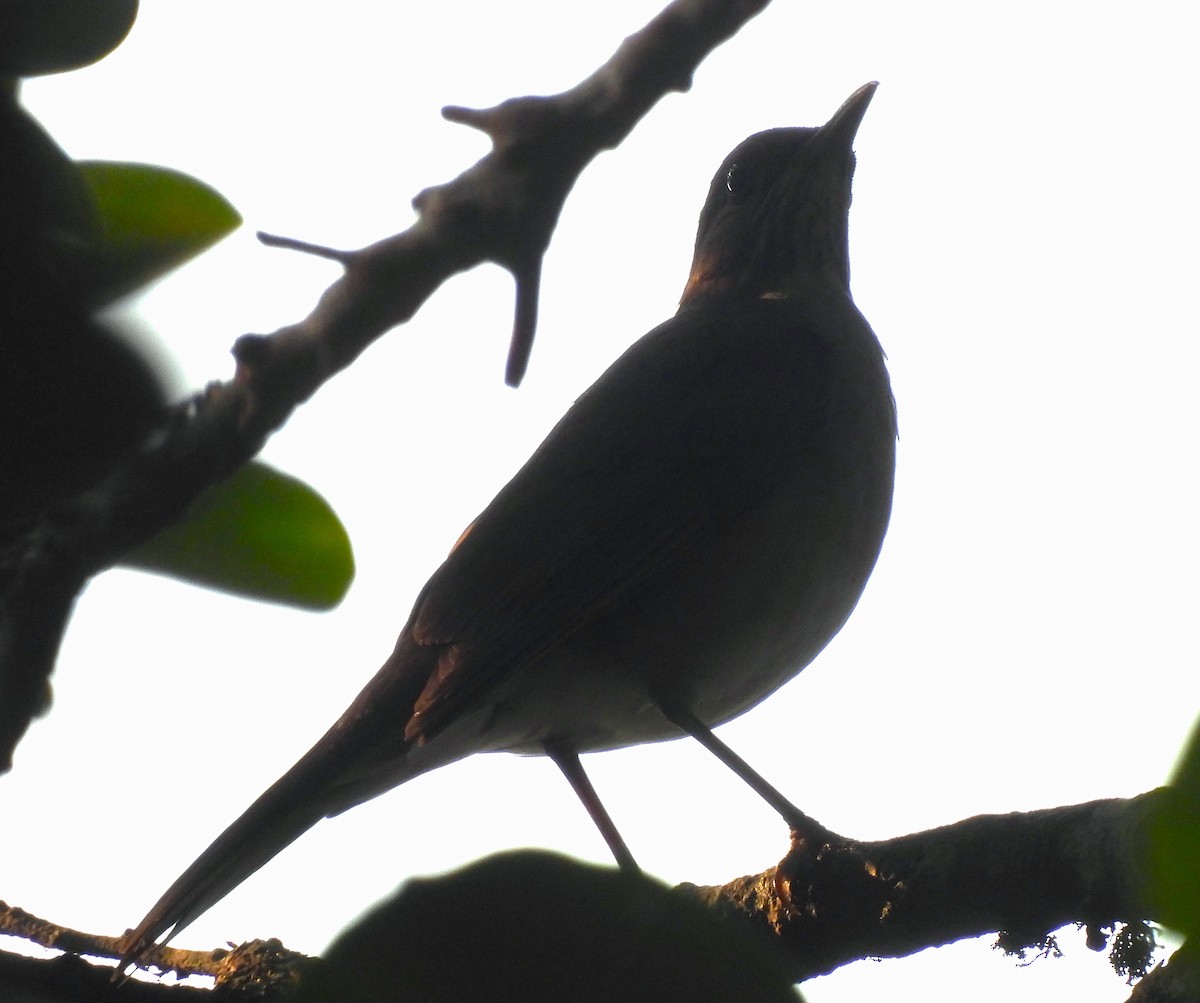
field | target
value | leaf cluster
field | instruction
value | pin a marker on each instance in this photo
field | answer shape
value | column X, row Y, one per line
column 79, row 392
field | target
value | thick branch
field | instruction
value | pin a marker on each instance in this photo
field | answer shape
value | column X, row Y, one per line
column 1020, row 875
column 503, row 209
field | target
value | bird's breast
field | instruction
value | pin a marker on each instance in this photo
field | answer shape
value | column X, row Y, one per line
column 764, row 584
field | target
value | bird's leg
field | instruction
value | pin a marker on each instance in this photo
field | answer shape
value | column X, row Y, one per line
column 688, row 722
column 567, row 760
column 808, row 835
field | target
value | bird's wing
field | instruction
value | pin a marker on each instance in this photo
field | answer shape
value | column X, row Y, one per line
column 691, row 426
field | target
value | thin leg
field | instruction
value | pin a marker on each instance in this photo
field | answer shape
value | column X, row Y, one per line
column 567, row 760
column 688, row 722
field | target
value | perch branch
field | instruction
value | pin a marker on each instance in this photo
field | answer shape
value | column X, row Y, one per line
column 1022, row 875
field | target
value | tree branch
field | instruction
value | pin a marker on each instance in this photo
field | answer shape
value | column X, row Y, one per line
column 1022, row 875
column 503, row 209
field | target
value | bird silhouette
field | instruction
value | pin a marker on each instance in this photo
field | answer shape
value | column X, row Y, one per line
column 687, row 538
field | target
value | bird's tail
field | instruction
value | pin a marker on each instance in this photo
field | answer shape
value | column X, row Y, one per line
column 281, row 815
column 361, row 756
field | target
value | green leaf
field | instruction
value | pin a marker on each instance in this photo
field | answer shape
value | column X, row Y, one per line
column 260, row 534
column 541, row 928
column 1175, row 845
column 48, row 36
column 154, row 219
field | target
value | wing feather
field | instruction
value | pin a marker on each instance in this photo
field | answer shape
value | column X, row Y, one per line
column 698, row 420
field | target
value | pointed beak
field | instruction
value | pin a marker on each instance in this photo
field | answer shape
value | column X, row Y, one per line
column 842, row 128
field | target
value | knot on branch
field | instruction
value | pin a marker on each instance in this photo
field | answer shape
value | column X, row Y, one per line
column 261, row 968
column 834, row 883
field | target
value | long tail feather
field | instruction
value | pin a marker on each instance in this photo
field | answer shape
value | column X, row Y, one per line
column 275, row 820
column 361, row 756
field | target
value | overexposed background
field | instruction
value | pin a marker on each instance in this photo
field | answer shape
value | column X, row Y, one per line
column 1022, row 240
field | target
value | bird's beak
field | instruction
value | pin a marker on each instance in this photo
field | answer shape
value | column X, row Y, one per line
column 840, row 130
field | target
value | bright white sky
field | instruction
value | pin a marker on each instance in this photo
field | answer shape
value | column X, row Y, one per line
column 1023, row 241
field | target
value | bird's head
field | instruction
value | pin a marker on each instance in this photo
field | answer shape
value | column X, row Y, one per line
column 777, row 210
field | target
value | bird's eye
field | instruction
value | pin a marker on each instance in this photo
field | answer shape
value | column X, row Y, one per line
column 740, row 179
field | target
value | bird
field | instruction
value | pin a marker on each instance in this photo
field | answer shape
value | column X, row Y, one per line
column 689, row 536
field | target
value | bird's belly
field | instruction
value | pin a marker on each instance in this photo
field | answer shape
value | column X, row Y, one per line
column 716, row 631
